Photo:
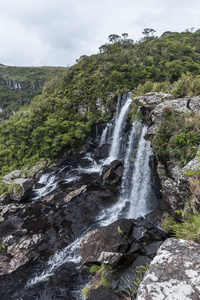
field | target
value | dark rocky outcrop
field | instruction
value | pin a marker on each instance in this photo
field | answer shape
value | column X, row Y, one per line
column 102, row 151
column 124, row 245
column 120, row 240
column 31, row 232
column 174, row 272
column 115, row 172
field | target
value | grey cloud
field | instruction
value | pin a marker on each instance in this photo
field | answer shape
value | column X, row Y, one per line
column 57, row 32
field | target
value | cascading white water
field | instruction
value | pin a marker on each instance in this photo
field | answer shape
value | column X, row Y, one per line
column 129, row 160
column 140, row 197
column 120, row 123
column 135, row 196
column 135, row 188
column 69, row 254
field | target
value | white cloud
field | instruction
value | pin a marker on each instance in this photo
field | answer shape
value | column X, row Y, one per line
column 57, row 32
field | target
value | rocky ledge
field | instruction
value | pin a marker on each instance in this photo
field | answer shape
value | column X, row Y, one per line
column 174, row 273
column 117, row 250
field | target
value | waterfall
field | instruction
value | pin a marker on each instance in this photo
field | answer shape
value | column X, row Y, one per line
column 140, row 197
column 106, row 134
column 130, row 157
column 135, row 195
column 120, row 124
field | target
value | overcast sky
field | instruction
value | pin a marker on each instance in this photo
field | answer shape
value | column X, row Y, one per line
column 57, row 32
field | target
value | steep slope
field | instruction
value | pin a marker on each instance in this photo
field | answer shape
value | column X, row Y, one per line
column 18, row 85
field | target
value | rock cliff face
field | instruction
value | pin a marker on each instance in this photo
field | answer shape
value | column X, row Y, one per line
column 174, row 273
column 174, row 185
column 15, row 85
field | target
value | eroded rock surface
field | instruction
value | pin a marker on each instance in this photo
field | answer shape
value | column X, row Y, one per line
column 121, row 241
column 174, row 272
column 124, row 245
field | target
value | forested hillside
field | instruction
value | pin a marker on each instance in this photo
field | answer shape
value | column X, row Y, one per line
column 62, row 117
column 18, row 85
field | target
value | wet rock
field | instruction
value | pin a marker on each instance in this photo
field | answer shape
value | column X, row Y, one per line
column 126, row 282
column 102, row 151
column 133, row 243
column 89, row 146
column 174, row 272
column 109, row 175
column 75, row 193
column 35, row 231
column 118, row 241
column 115, row 172
column 110, row 258
column 102, row 292
column 104, row 239
column 38, row 185
column 22, row 252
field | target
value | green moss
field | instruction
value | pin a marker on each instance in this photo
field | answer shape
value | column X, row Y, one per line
column 140, row 270
column 86, row 292
column 3, row 187
column 101, row 272
column 119, row 230
column 2, row 248
column 14, row 188
column 94, row 268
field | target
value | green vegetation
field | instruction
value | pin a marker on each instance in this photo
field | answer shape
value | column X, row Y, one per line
column 2, row 248
column 85, row 292
column 61, row 118
column 177, row 137
column 140, row 270
column 14, row 188
column 188, row 228
column 94, row 268
column 18, row 85
column 101, row 279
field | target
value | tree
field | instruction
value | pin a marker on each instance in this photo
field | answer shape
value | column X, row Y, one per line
column 113, row 38
column 148, row 32
column 125, row 36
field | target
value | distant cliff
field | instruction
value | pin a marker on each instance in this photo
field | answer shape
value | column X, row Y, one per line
column 18, row 85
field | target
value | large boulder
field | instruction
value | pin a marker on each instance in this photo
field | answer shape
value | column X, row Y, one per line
column 114, row 173
column 174, row 272
column 121, row 242
column 18, row 185
column 148, row 102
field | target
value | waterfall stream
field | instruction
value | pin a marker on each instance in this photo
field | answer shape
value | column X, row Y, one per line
column 135, row 196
